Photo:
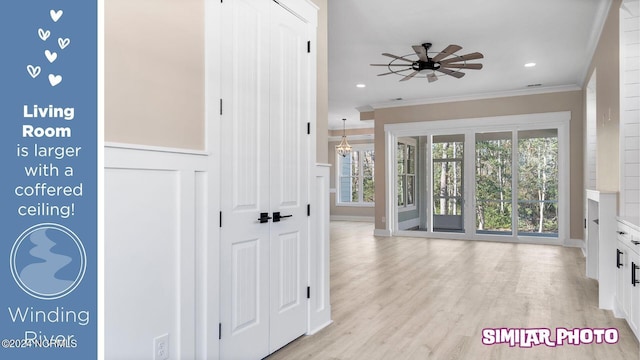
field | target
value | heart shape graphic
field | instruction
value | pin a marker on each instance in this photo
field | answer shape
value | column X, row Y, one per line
column 55, row 15
column 55, row 79
column 63, row 43
column 51, row 56
column 34, row 71
column 44, row 34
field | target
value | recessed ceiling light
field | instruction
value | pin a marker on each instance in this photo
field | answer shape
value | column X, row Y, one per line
column 531, row 64
column 361, row 85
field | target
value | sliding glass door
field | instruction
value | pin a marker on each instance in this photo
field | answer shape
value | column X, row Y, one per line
column 538, row 182
column 494, row 183
column 447, row 164
column 503, row 178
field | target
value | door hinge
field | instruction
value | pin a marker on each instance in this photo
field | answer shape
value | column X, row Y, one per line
column 308, row 128
column 220, row 218
column 308, row 209
column 308, row 292
column 585, row 223
column 309, row 46
column 220, row 106
column 219, row 331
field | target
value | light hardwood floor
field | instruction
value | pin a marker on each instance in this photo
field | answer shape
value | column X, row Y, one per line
column 414, row 298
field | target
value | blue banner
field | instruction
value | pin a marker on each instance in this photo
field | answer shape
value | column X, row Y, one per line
column 49, row 147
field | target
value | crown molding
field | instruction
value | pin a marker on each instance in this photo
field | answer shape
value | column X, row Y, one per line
column 480, row 96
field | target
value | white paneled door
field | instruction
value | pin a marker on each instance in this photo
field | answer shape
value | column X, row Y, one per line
column 265, row 177
column 289, row 170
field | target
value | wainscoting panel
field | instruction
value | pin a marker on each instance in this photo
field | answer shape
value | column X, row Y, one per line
column 320, row 306
column 154, row 216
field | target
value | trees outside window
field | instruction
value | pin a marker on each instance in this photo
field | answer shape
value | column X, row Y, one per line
column 355, row 179
column 536, row 169
column 406, row 162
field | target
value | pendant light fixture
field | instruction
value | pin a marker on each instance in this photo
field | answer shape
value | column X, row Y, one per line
column 344, row 148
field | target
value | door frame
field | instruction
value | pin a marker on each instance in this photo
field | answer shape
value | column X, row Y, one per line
column 559, row 120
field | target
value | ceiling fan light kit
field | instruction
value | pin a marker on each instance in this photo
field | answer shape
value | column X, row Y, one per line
column 445, row 62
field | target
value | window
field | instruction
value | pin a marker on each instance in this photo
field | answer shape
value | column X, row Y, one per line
column 355, row 176
column 535, row 168
column 502, row 178
column 406, row 155
column 538, row 182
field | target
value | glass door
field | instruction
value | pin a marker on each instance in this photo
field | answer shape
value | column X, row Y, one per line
column 447, row 164
column 494, row 183
column 538, row 182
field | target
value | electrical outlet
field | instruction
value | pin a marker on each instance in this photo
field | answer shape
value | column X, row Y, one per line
column 161, row 347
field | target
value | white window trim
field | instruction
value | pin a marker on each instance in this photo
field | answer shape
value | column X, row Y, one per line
column 355, row 147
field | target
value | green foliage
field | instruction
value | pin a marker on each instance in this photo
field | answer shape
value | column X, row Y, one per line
column 537, row 183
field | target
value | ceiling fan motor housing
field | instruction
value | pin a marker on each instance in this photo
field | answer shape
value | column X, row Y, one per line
column 420, row 65
column 425, row 65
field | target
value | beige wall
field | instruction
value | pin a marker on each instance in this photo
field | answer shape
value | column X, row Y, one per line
column 606, row 61
column 322, row 105
column 154, row 72
column 564, row 101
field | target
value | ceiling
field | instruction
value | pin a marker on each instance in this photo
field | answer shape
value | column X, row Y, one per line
column 558, row 35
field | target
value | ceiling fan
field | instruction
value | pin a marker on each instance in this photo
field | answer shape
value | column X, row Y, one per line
column 444, row 62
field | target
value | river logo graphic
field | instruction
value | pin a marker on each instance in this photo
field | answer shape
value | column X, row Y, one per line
column 48, row 261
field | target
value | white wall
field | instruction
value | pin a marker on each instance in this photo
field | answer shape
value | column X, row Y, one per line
column 630, row 109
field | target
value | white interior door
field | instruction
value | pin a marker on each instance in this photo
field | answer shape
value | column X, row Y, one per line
column 289, row 177
column 244, row 258
column 265, row 160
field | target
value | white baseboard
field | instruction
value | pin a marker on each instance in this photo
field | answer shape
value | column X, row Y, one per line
column 575, row 243
column 315, row 330
column 352, row 218
column 382, row 232
column 409, row 224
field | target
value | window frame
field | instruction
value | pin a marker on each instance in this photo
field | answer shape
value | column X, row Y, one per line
column 407, row 142
column 360, row 203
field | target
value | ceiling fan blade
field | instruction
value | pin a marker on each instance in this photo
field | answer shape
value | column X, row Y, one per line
column 410, row 76
column 432, row 77
column 394, row 72
column 405, row 65
column 462, row 66
column 421, row 52
column 456, row 74
column 449, row 50
column 397, row 57
column 471, row 56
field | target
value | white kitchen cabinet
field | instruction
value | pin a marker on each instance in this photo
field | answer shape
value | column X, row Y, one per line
column 627, row 286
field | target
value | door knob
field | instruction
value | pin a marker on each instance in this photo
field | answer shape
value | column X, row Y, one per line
column 277, row 216
column 264, row 217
